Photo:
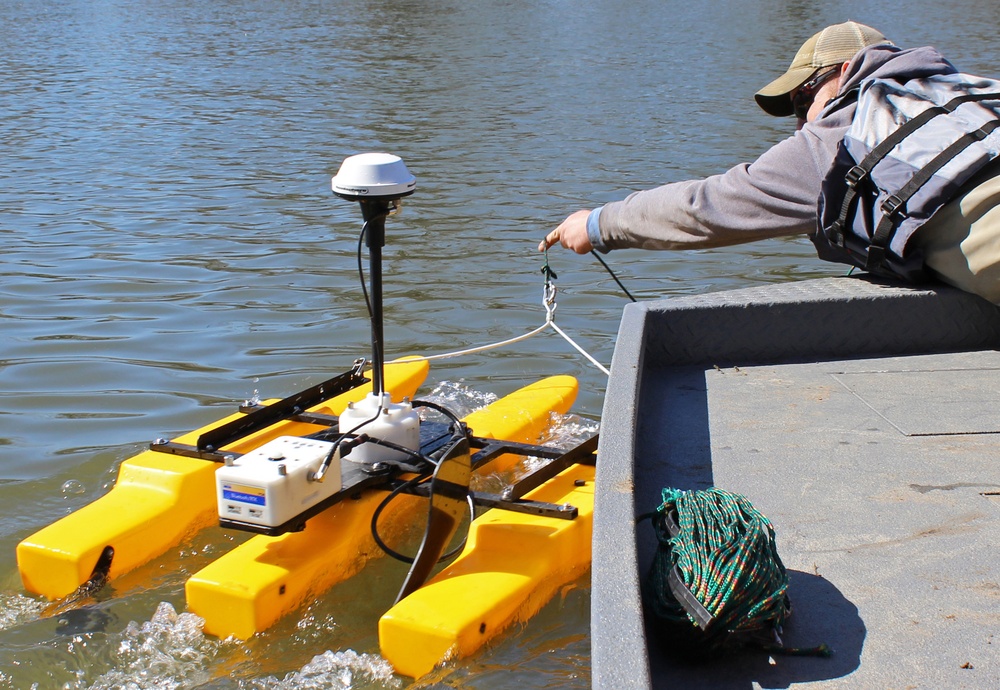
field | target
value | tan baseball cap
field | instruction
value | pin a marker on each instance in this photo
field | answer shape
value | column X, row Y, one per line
column 834, row 45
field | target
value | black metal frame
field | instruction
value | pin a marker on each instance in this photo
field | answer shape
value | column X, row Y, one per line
column 435, row 438
column 264, row 416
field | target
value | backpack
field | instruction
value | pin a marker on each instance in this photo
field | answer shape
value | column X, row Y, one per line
column 910, row 148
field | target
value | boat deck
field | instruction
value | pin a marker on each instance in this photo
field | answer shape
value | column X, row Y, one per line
column 863, row 420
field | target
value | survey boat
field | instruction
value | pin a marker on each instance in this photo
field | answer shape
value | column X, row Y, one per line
column 861, row 418
column 326, row 477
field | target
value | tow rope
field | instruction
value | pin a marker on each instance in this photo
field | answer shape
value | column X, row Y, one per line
column 549, row 303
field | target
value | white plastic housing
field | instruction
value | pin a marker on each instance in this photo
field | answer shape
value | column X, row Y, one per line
column 397, row 423
column 271, row 485
column 373, row 176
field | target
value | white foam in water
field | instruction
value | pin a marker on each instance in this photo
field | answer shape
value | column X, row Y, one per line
column 331, row 670
column 564, row 431
column 310, row 629
column 17, row 608
column 457, row 398
column 171, row 652
column 567, row 430
column 168, row 651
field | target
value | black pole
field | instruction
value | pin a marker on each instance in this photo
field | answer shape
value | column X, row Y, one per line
column 374, row 212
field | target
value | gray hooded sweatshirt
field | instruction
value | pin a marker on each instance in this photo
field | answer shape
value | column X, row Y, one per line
column 776, row 195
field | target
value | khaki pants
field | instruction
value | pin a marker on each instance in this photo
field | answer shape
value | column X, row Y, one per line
column 961, row 242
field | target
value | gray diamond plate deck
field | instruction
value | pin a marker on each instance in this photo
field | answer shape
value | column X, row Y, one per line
column 860, row 417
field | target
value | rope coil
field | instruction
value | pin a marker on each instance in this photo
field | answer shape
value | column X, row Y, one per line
column 716, row 581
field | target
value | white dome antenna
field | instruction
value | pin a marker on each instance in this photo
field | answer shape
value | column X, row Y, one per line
column 378, row 181
column 373, row 176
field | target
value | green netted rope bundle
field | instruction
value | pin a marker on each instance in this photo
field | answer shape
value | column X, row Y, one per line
column 716, row 580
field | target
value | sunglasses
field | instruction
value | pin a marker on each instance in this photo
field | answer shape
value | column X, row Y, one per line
column 806, row 94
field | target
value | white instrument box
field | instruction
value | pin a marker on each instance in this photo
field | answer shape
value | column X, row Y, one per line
column 274, row 483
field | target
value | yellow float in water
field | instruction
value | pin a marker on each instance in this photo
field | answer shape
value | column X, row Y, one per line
column 511, row 566
column 248, row 589
column 159, row 500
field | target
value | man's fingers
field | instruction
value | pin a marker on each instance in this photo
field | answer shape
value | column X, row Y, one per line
column 549, row 240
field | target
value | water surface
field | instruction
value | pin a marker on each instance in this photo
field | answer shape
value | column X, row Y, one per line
column 171, row 246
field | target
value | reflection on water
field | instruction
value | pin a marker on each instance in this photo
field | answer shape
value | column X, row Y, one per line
column 171, row 247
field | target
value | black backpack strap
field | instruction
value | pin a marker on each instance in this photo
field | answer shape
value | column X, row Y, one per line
column 860, row 172
column 682, row 593
column 894, row 207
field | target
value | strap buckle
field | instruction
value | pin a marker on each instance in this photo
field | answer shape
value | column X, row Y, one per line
column 855, row 175
column 892, row 205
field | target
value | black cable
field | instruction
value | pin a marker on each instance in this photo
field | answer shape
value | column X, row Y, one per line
column 338, row 438
column 456, row 422
column 612, row 273
column 395, row 492
column 323, row 466
column 376, row 356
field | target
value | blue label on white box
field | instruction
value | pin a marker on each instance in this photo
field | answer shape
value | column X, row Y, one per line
column 243, row 494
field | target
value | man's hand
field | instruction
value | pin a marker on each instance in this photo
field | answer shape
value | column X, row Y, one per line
column 571, row 233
